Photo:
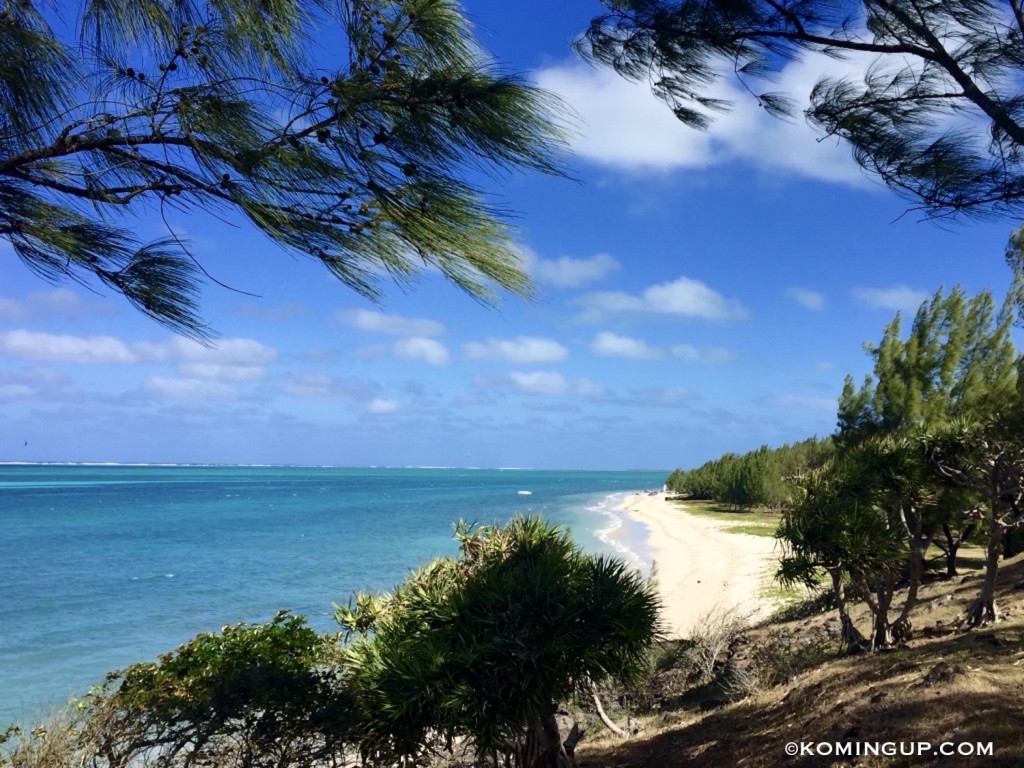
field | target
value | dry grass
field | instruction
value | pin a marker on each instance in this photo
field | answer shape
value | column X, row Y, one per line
column 943, row 686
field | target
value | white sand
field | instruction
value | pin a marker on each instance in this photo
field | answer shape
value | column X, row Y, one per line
column 700, row 567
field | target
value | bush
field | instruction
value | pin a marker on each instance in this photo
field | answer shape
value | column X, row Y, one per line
column 484, row 646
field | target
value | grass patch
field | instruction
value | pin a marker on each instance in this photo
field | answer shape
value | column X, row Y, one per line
column 753, row 522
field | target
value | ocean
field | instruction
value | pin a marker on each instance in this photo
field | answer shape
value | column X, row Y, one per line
column 103, row 566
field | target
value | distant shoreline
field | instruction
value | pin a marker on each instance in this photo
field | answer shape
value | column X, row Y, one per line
column 700, row 567
column 14, row 463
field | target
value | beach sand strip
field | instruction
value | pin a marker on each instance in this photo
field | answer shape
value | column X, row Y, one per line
column 703, row 570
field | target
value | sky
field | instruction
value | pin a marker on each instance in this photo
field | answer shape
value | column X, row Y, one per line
column 697, row 293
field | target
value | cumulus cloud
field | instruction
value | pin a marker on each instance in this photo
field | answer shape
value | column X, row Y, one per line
column 418, row 348
column 521, row 350
column 544, row 383
column 223, row 351
column 539, row 382
column 612, row 345
column 898, row 298
column 394, row 325
column 189, row 389
column 567, row 272
column 684, row 296
column 626, row 128
column 36, row 345
column 806, row 298
column 234, row 360
column 221, row 372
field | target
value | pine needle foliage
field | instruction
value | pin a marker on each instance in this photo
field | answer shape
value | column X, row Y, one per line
column 485, row 645
column 362, row 163
column 938, row 114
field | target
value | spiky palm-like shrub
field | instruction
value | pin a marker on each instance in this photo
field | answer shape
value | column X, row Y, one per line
column 484, row 646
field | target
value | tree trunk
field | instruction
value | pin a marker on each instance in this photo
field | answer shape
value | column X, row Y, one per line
column 902, row 627
column 544, row 745
column 852, row 639
column 953, row 544
column 983, row 609
column 608, row 723
column 879, row 602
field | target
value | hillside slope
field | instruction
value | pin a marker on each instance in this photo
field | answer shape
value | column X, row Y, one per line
column 943, row 686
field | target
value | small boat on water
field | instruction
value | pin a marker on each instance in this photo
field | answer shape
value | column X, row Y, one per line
column 525, row 493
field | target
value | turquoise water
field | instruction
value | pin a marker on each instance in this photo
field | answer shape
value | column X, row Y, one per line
column 104, row 566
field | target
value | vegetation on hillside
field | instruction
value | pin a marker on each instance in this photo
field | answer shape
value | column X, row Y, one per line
column 928, row 452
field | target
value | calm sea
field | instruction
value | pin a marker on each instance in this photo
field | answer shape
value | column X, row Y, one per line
column 102, row 566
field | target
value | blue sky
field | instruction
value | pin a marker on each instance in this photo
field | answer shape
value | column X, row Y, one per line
column 697, row 293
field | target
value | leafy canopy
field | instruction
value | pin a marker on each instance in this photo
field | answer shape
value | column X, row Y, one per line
column 486, row 644
column 938, row 114
column 359, row 160
column 252, row 695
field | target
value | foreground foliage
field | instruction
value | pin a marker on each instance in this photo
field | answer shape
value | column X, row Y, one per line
column 358, row 160
column 487, row 645
column 481, row 648
column 938, row 113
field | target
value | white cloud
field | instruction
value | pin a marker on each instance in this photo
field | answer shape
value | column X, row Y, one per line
column 627, row 128
column 381, row 406
column 539, row 382
column 702, row 354
column 566, row 272
column 624, row 126
column 417, row 348
column 224, row 351
column 218, row 372
column 613, row 345
column 233, row 360
column 683, row 296
column 521, row 350
column 901, row 298
column 806, row 298
column 35, row 345
column 394, row 325
column 189, row 389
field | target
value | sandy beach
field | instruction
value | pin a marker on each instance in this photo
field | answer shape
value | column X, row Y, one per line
column 702, row 568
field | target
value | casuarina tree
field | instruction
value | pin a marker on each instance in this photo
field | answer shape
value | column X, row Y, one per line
column 938, row 113
column 359, row 158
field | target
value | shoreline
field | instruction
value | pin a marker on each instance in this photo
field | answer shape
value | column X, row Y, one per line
column 702, row 570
